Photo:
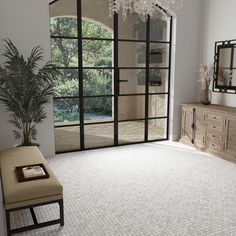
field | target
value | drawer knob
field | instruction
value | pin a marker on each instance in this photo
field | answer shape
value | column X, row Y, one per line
column 214, row 117
column 213, row 136
column 214, row 126
column 213, row 145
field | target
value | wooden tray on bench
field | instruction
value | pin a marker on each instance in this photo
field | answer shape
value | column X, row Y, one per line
column 20, row 175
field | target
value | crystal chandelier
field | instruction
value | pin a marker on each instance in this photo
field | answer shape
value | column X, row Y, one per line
column 143, row 7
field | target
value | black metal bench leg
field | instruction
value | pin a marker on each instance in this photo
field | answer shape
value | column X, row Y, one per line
column 61, row 205
column 36, row 225
column 8, row 223
column 33, row 215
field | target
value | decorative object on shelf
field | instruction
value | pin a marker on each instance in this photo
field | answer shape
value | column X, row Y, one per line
column 225, row 67
column 206, row 96
column 25, row 88
column 31, row 172
column 206, row 73
column 143, row 7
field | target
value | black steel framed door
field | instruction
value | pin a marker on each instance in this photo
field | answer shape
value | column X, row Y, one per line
column 122, row 91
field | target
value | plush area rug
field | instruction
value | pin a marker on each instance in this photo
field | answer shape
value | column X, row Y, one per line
column 164, row 189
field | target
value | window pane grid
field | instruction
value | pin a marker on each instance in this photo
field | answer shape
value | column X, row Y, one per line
column 88, row 70
column 111, row 39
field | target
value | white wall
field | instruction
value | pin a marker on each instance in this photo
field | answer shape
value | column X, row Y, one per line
column 26, row 23
column 187, row 51
column 219, row 24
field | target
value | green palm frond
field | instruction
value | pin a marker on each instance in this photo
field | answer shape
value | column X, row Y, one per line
column 10, row 50
column 33, row 132
column 25, row 89
column 17, row 134
column 17, row 123
column 35, row 57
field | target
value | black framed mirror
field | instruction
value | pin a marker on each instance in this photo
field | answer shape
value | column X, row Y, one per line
column 225, row 67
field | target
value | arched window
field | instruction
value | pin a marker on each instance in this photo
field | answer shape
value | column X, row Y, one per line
column 115, row 75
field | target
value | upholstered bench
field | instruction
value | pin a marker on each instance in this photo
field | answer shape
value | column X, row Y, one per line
column 23, row 195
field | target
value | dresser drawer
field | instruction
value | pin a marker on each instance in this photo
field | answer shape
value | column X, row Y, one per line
column 215, row 118
column 213, row 144
column 215, row 135
column 215, row 126
column 214, row 129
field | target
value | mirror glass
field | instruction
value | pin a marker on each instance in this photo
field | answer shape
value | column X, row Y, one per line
column 226, row 71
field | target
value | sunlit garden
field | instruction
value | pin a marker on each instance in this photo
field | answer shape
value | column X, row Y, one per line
column 96, row 53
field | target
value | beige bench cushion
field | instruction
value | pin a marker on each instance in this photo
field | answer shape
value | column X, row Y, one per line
column 37, row 191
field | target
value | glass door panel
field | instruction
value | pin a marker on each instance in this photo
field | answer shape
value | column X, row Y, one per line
column 159, row 55
column 99, row 135
column 98, row 109
column 65, row 55
column 131, row 107
column 67, row 138
column 98, row 82
column 158, row 81
column 131, row 132
column 63, row 18
column 66, row 124
column 64, row 51
column 107, row 94
column 67, row 84
column 159, row 27
column 157, row 106
column 91, row 30
column 157, row 129
column 97, row 12
column 98, row 74
column 97, row 53
column 132, row 81
column 132, row 54
column 132, row 28
column 66, row 111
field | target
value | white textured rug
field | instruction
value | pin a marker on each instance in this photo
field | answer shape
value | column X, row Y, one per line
column 149, row 189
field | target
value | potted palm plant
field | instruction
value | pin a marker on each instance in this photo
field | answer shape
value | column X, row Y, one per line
column 25, row 88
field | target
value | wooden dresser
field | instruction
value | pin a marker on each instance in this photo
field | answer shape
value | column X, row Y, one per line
column 211, row 128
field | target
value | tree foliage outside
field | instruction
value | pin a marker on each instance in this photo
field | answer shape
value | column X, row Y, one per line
column 96, row 53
